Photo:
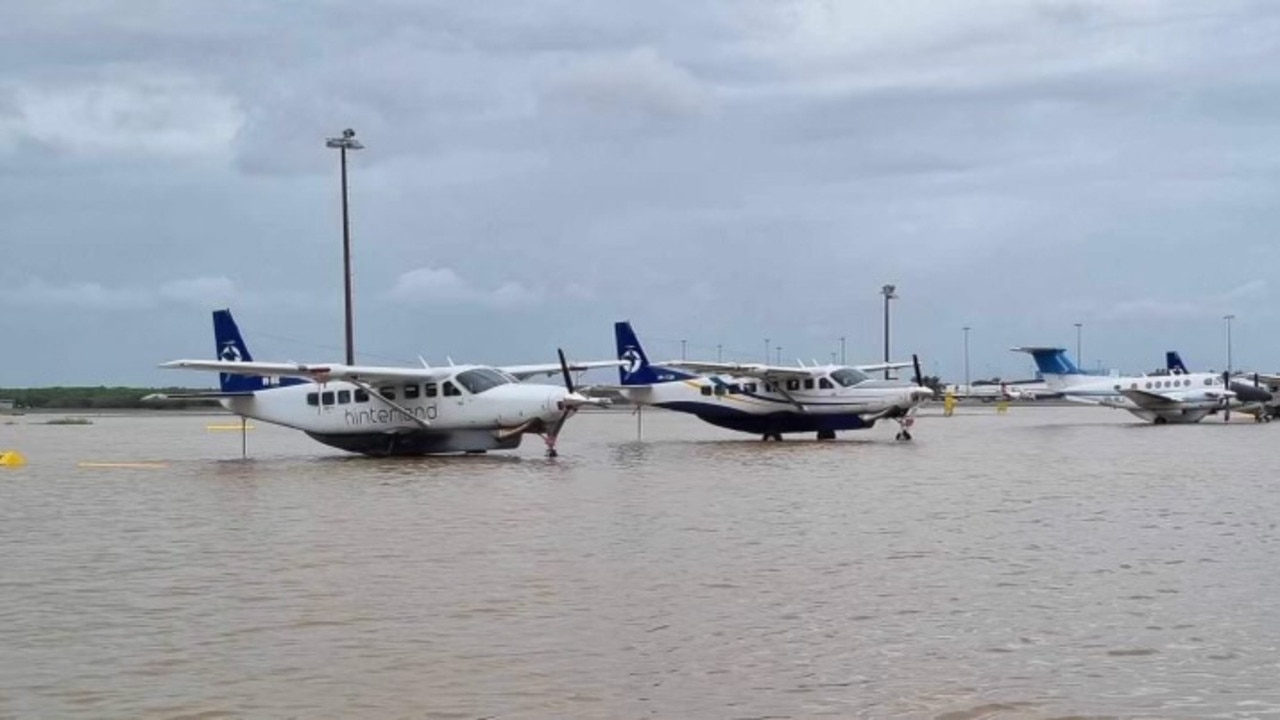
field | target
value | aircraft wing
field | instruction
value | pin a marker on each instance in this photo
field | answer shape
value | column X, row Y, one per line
column 883, row 366
column 318, row 372
column 524, row 372
column 1150, row 400
column 755, row 370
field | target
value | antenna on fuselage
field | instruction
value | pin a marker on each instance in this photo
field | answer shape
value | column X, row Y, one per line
column 446, row 357
column 425, row 365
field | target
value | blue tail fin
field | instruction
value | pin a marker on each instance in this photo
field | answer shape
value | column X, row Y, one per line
column 1173, row 362
column 230, row 347
column 1051, row 361
column 637, row 370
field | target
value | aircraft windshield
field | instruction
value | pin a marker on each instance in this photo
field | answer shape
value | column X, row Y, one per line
column 847, row 377
column 481, row 379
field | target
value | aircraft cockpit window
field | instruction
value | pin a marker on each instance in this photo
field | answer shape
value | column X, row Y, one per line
column 451, row 390
column 411, row 391
column 705, row 390
column 808, row 383
column 848, row 377
column 481, row 379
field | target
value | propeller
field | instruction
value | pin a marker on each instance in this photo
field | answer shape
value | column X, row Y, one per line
column 1226, row 399
column 568, row 405
column 919, row 376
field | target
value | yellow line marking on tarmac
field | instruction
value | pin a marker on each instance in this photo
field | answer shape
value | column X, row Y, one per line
column 122, row 465
column 227, row 427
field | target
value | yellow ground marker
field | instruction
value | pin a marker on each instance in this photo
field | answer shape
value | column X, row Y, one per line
column 11, row 458
column 147, row 465
column 227, row 427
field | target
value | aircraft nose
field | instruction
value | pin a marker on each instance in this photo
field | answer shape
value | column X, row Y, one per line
column 921, row 393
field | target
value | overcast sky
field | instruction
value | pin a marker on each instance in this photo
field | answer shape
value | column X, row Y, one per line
column 719, row 172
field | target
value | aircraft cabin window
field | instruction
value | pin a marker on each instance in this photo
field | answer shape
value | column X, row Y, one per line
column 750, row 388
column 387, row 392
column 770, row 387
column 411, row 391
column 1134, row 386
column 735, row 389
column 1208, row 381
column 344, row 397
column 326, row 398
column 431, row 389
column 848, row 377
column 793, row 384
column 361, row 395
column 706, row 390
column 451, row 390
column 313, row 399
column 481, row 379
column 825, row 384
column 808, row 383
column 720, row 389
column 1147, row 385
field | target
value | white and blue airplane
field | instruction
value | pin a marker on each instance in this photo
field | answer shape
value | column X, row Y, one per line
column 769, row 400
column 1175, row 397
column 393, row 410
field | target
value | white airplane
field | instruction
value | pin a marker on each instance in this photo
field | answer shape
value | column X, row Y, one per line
column 393, row 410
column 1169, row 398
column 1255, row 393
column 769, row 400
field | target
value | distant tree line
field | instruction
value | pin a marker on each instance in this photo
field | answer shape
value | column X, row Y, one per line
column 97, row 398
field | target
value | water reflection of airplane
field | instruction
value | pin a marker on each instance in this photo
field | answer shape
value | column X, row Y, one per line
column 393, row 410
column 1169, row 398
column 1256, row 394
column 769, row 400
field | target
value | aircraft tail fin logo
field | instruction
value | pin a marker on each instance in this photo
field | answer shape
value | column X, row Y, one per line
column 1173, row 363
column 637, row 370
column 229, row 346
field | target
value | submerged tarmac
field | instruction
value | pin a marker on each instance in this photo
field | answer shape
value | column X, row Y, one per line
column 1043, row 563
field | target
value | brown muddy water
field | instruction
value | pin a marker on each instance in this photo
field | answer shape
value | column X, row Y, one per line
column 1047, row 563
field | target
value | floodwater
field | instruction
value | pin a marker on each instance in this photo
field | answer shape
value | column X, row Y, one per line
column 1047, row 563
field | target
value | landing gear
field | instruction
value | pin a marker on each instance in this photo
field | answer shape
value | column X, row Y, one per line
column 774, row 436
column 826, row 434
column 1160, row 420
column 550, row 440
column 905, row 424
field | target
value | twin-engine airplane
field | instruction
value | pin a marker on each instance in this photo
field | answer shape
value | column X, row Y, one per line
column 393, row 410
column 1256, row 394
column 1180, row 397
column 769, row 400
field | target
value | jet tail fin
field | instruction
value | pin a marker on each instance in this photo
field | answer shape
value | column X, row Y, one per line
column 1054, row 365
column 230, row 347
column 1173, row 362
column 637, row 370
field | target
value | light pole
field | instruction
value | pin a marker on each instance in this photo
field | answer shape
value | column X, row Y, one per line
column 887, row 291
column 347, row 142
column 766, row 351
column 779, row 354
column 682, row 349
column 842, row 360
column 966, row 359
column 719, row 351
column 1079, row 357
column 1229, row 318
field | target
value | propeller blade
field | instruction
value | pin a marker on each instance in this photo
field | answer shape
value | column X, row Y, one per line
column 915, row 363
column 564, row 370
column 1226, row 399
